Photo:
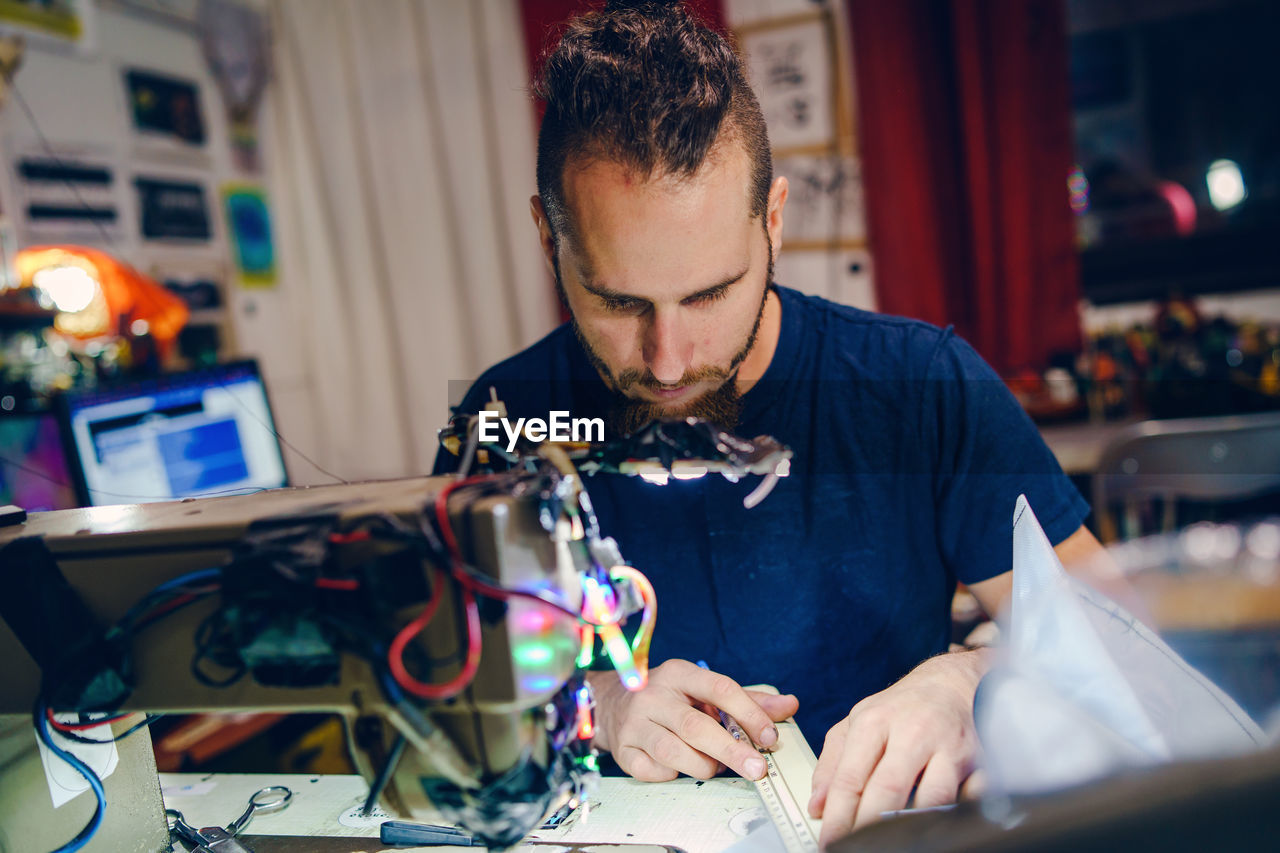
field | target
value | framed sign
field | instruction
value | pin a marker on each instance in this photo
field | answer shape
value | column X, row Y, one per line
column 825, row 206
column 66, row 195
column 792, row 70
column 172, row 210
column 49, row 22
column 165, row 106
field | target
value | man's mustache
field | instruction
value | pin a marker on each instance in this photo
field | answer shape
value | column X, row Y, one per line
column 645, row 379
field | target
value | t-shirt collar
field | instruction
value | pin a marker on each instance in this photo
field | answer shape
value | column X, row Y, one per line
column 766, row 389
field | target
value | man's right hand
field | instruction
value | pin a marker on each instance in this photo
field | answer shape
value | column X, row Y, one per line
column 671, row 727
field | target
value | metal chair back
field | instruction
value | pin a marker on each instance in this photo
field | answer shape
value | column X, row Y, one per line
column 1214, row 459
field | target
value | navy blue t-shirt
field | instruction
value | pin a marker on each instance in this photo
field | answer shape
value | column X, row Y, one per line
column 909, row 456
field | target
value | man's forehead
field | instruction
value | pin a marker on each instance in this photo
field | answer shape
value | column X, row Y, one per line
column 612, row 205
column 727, row 167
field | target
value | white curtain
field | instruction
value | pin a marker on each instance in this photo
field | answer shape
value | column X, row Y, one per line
column 402, row 157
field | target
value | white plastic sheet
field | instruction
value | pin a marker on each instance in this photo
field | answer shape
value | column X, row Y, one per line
column 1083, row 689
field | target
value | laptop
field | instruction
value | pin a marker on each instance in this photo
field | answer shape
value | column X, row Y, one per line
column 202, row 433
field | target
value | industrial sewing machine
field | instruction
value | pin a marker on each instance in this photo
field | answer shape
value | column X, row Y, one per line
column 454, row 614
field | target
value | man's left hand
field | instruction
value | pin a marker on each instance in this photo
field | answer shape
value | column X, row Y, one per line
column 916, row 735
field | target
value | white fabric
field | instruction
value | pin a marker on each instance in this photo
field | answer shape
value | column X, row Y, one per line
column 1085, row 689
column 402, row 156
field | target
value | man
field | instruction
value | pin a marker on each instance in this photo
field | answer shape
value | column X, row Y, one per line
column 660, row 218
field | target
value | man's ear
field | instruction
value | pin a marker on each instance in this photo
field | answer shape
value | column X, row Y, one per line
column 545, row 238
column 773, row 217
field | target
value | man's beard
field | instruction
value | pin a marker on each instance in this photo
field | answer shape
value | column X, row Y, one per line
column 721, row 406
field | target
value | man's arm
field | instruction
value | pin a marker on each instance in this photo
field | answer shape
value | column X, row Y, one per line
column 1080, row 553
column 919, row 734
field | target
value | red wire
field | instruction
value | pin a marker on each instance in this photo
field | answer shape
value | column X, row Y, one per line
column 350, row 584
column 79, row 727
column 455, row 685
column 159, row 611
column 446, row 531
column 338, row 583
column 395, row 654
column 442, row 513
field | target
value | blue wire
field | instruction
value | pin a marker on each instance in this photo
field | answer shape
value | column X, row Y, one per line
column 183, row 580
column 388, row 683
column 42, row 732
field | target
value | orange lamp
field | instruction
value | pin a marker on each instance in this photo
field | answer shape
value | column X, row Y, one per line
column 94, row 293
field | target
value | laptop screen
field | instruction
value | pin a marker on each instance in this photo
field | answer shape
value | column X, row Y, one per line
column 33, row 464
column 198, row 434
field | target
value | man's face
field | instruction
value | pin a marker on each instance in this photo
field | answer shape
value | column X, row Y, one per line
column 666, row 280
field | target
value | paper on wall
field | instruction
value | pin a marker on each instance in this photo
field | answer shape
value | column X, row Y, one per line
column 65, row 782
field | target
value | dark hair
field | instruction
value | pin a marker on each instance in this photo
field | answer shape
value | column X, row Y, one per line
column 647, row 85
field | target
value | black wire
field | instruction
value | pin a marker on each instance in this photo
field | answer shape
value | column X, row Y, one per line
column 54, row 480
column 384, row 775
column 206, row 641
column 198, row 674
column 43, row 475
column 281, row 438
column 478, row 729
column 129, row 623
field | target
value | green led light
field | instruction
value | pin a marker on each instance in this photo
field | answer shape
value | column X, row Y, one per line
column 533, row 654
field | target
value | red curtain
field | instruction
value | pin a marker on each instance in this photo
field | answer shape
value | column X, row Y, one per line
column 965, row 132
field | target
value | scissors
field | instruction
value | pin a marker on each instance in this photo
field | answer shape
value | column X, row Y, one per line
column 215, row 839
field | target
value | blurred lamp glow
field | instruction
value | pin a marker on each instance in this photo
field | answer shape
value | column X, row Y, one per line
column 70, row 289
column 1226, row 184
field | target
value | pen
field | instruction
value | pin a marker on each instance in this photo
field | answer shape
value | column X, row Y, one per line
column 921, row 810
column 730, row 724
column 407, row 834
column 560, row 815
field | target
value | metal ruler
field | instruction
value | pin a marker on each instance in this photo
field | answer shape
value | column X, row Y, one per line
column 787, row 785
column 789, row 814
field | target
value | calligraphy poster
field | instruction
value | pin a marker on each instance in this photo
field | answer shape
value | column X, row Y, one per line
column 792, row 71
column 824, row 200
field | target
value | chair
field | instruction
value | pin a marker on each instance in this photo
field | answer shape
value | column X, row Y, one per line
column 1208, row 460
